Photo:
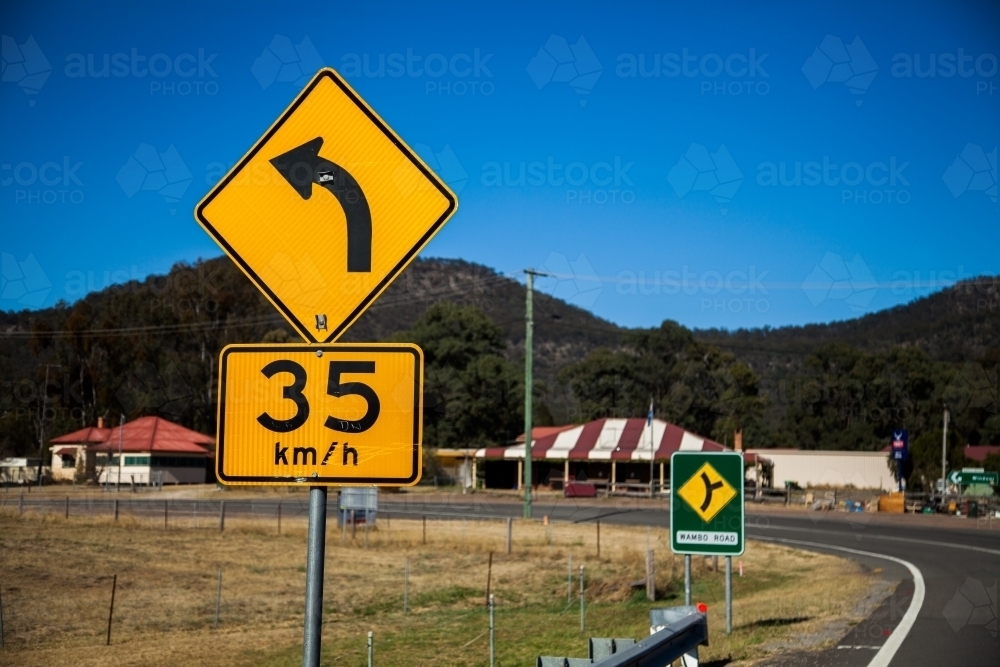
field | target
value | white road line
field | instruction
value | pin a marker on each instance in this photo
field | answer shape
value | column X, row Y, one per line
column 895, row 640
column 858, row 533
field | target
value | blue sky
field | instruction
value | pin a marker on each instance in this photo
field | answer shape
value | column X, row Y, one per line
column 705, row 162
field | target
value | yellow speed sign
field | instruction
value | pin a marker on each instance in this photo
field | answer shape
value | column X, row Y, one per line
column 320, row 414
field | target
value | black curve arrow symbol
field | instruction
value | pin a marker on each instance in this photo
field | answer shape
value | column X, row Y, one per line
column 709, row 488
column 304, row 166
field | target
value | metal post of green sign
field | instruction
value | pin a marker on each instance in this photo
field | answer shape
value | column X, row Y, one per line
column 687, row 580
column 729, row 595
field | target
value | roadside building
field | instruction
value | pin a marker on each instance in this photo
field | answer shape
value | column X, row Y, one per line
column 612, row 454
column 457, row 465
column 20, row 470
column 153, row 449
column 70, row 457
column 834, row 469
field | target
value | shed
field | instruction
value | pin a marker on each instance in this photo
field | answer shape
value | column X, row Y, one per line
column 831, row 468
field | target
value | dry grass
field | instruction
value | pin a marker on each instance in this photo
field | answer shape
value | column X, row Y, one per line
column 55, row 579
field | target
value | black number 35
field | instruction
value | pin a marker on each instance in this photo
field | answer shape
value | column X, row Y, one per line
column 335, row 388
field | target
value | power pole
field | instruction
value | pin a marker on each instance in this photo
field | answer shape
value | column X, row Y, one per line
column 41, row 422
column 944, row 454
column 529, row 327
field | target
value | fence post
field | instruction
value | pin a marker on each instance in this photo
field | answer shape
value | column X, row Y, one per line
column 406, row 584
column 510, row 523
column 366, row 529
column 116, row 509
column 569, row 580
column 489, row 579
column 1, row 619
column 218, row 599
column 20, row 504
column 583, row 613
column 492, row 633
column 67, row 507
column 111, row 611
column 371, row 650
column 222, row 516
column 651, row 575
column 342, row 515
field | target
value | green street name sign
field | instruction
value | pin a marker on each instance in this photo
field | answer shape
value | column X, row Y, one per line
column 706, row 503
column 966, row 477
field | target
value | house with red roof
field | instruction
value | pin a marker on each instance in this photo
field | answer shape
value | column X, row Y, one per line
column 144, row 451
column 70, row 458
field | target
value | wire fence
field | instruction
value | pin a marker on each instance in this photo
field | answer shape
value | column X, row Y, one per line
column 165, row 558
column 420, row 583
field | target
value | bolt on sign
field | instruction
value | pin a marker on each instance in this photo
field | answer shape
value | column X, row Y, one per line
column 707, row 503
column 320, row 414
column 326, row 209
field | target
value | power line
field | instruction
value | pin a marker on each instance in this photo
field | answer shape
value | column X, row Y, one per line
column 383, row 304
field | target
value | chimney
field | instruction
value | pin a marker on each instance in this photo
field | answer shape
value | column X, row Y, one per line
column 100, row 422
column 738, row 441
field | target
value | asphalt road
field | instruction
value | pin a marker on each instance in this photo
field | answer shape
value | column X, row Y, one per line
column 944, row 612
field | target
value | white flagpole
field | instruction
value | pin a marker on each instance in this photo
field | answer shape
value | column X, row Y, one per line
column 652, row 453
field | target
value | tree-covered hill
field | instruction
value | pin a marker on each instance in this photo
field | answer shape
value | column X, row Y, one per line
column 151, row 347
column 955, row 325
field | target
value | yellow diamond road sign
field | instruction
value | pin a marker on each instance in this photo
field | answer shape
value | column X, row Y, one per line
column 326, row 209
column 707, row 492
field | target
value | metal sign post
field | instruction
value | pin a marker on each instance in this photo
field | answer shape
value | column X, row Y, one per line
column 687, row 580
column 315, row 554
column 729, row 595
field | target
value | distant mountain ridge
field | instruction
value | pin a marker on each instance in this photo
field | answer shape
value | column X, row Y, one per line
column 180, row 321
column 957, row 324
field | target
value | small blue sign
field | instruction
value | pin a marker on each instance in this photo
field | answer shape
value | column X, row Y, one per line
column 900, row 444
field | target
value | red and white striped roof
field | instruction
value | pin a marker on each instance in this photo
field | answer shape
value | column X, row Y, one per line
column 609, row 440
